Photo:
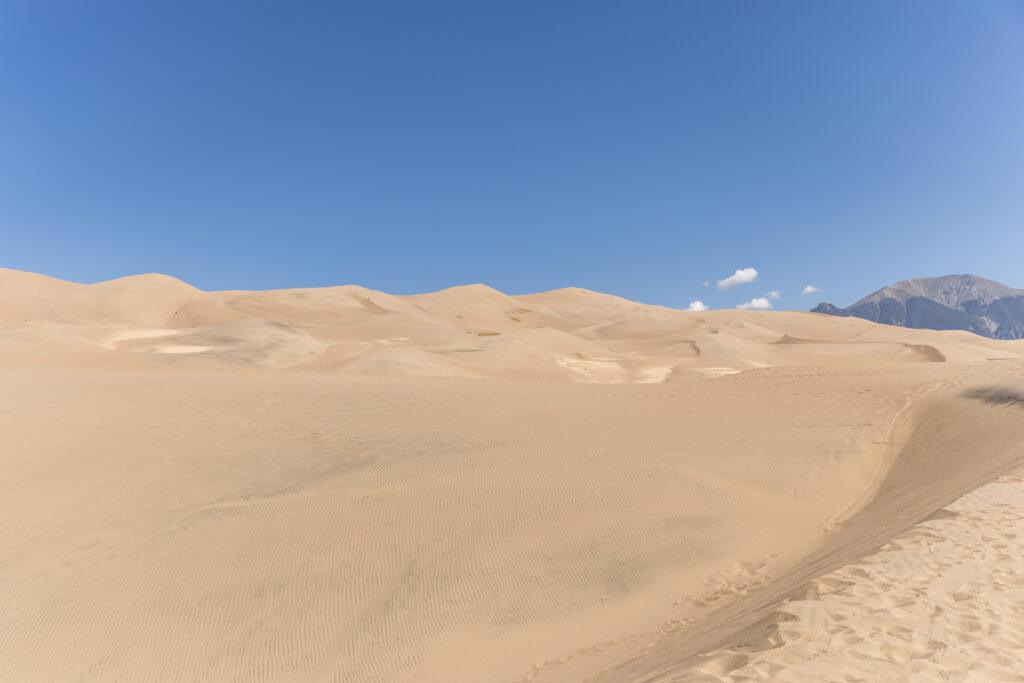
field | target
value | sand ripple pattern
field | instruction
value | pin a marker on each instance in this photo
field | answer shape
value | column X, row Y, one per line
column 944, row 601
column 267, row 525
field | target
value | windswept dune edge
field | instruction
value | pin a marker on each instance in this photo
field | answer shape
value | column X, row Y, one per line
column 957, row 444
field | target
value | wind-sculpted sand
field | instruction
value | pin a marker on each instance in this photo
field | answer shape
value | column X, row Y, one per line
column 341, row 484
column 941, row 601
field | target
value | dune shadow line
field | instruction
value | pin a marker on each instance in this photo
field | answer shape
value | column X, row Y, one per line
column 997, row 396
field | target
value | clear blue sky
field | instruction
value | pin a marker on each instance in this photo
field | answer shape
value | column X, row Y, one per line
column 635, row 148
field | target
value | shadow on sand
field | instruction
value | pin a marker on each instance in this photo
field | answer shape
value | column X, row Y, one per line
column 997, row 396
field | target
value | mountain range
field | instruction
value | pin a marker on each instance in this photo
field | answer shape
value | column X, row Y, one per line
column 950, row 302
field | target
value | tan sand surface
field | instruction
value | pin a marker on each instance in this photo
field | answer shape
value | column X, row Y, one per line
column 341, row 484
column 942, row 601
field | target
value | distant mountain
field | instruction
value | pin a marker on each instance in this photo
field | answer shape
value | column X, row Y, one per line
column 950, row 302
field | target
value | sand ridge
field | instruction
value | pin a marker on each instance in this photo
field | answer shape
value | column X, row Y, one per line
column 941, row 601
column 955, row 443
column 567, row 335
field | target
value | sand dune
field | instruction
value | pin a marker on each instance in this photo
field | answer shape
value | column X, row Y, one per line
column 472, row 331
column 342, row 484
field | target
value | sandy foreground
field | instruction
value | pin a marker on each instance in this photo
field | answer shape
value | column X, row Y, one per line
column 942, row 600
column 341, row 484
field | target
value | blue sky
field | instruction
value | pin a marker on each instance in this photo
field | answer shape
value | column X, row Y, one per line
column 636, row 148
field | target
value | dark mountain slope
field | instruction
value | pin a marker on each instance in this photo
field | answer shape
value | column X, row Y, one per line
column 951, row 302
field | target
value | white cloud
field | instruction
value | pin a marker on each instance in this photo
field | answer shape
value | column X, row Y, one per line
column 774, row 295
column 758, row 303
column 811, row 289
column 697, row 306
column 742, row 276
column 707, row 283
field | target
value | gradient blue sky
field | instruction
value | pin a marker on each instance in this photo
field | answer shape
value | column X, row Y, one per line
column 635, row 148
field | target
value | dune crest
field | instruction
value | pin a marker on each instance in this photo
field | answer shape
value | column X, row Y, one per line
column 565, row 335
